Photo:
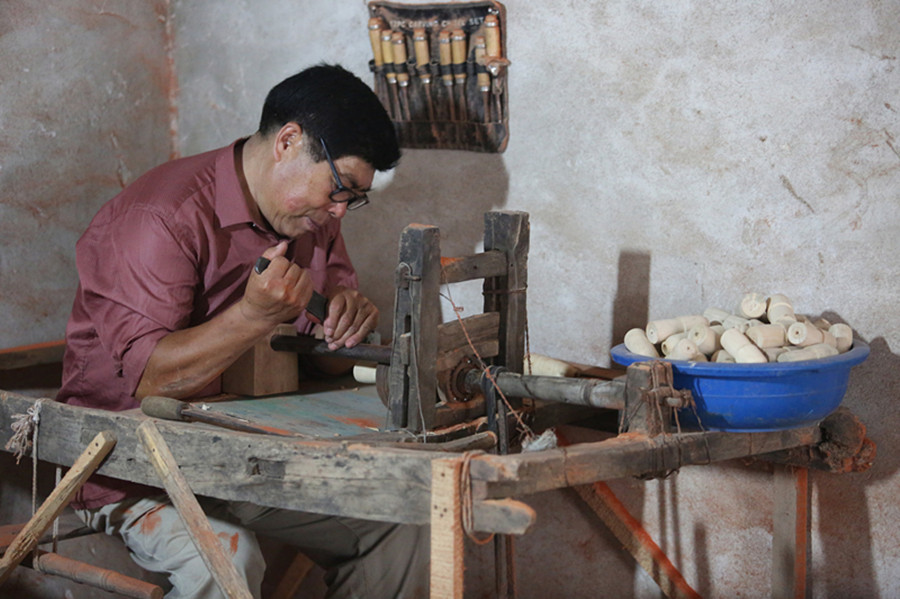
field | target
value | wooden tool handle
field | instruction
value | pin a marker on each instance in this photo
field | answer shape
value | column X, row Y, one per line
column 375, row 25
column 387, row 54
column 398, row 42
column 492, row 36
column 204, row 537
column 445, row 54
column 101, row 578
column 420, row 45
column 458, row 53
column 77, row 475
column 163, row 407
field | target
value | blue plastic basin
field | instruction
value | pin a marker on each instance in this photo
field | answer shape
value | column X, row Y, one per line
column 759, row 397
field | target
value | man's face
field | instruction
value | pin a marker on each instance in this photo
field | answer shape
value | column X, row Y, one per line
column 298, row 199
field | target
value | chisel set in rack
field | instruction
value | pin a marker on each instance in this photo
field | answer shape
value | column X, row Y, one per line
column 440, row 71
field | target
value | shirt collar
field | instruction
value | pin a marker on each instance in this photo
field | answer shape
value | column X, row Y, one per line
column 232, row 206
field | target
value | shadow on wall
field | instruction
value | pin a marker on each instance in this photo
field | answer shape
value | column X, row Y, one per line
column 448, row 189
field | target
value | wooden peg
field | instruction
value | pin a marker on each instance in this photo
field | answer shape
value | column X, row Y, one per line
column 636, row 342
column 716, row 315
column 705, row 338
column 722, row 357
column 685, row 349
column 805, row 334
column 669, row 343
column 659, row 330
column 752, row 305
column 766, row 335
column 810, row 352
column 738, row 345
column 843, row 336
column 779, row 307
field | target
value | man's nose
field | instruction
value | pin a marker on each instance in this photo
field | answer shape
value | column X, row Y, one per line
column 337, row 209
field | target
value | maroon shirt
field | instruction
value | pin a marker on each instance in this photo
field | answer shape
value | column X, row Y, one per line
column 169, row 252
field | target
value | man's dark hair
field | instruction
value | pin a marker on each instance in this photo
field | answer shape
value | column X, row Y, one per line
column 330, row 102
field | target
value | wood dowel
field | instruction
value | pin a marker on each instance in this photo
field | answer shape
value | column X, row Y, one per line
column 752, row 305
column 77, row 475
column 101, row 578
column 636, row 342
column 230, row 582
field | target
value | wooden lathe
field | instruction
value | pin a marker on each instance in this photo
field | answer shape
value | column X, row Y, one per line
column 439, row 381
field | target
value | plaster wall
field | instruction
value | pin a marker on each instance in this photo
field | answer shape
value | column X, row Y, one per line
column 672, row 156
column 84, row 109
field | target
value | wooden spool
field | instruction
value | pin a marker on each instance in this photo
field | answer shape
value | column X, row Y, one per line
column 636, row 342
column 766, row 335
column 738, row 345
column 752, row 305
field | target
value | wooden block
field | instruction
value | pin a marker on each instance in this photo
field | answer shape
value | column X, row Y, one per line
column 262, row 370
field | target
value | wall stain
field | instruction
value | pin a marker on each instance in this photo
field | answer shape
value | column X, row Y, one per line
column 787, row 185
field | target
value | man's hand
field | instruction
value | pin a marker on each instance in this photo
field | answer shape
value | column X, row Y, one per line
column 278, row 294
column 351, row 316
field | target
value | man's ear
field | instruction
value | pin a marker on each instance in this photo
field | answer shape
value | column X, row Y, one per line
column 289, row 137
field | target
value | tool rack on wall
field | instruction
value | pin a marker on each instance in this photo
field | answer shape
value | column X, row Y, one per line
column 440, row 71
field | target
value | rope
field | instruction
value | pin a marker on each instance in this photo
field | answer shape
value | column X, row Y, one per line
column 466, row 501
column 23, row 425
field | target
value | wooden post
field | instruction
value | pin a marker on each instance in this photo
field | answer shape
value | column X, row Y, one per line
column 77, row 475
column 446, row 530
column 790, row 531
column 204, row 537
column 412, row 380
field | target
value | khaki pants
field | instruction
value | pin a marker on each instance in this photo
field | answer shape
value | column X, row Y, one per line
column 361, row 558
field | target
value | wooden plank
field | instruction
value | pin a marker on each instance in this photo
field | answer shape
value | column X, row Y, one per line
column 36, row 354
column 224, row 572
column 477, row 266
column 77, row 475
column 326, row 477
column 509, row 233
column 790, row 532
column 628, row 530
column 100, row 578
column 446, row 530
column 624, row 455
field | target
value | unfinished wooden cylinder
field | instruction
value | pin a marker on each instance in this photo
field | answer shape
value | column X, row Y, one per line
column 541, row 365
column 843, row 336
column 738, row 345
column 659, row 330
column 772, row 353
column 766, row 335
column 669, row 343
column 722, row 357
column 752, row 305
column 636, row 342
column 685, row 349
column 716, row 315
column 733, row 321
column 779, row 308
column 705, row 338
column 811, row 352
column 805, row 334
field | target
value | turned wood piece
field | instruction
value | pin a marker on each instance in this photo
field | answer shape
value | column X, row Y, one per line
column 659, row 330
column 685, row 349
column 636, row 342
column 843, row 336
column 804, row 334
column 810, row 352
column 772, row 353
column 766, row 335
column 716, row 315
column 706, row 338
column 669, row 343
column 752, row 305
column 733, row 321
column 780, row 308
column 738, row 345
column 540, row 365
column 375, row 25
column 722, row 357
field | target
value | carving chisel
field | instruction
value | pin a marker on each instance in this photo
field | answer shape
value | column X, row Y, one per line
column 482, row 77
column 318, row 304
column 387, row 55
column 375, row 26
column 446, row 60
column 399, row 50
column 458, row 54
column 168, row 408
column 492, row 50
column 423, row 66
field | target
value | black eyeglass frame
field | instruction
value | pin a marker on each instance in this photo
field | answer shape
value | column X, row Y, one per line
column 356, row 200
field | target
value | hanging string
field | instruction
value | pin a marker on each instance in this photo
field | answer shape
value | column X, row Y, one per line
column 466, row 501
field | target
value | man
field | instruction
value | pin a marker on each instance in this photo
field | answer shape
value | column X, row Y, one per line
column 168, row 298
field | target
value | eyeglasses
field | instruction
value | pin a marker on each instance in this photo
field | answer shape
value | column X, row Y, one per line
column 343, row 195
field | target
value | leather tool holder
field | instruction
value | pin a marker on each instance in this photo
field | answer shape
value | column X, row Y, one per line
column 440, row 71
